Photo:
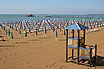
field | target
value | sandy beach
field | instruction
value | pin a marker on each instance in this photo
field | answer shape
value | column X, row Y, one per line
column 44, row 52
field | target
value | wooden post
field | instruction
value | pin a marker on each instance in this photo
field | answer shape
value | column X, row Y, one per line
column 84, row 38
column 73, row 44
column 95, row 53
column 90, row 56
column 78, row 45
column 67, row 45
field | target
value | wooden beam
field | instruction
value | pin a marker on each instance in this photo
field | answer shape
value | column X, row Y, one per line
column 66, row 45
column 78, row 45
column 73, row 44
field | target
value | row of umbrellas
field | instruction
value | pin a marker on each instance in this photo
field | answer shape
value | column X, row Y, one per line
column 44, row 25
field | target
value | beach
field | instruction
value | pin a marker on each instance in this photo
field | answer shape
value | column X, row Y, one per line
column 43, row 52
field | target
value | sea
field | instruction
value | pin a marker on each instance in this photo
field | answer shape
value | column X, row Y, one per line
column 5, row 18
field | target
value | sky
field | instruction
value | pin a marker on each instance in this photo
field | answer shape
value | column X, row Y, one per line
column 52, row 6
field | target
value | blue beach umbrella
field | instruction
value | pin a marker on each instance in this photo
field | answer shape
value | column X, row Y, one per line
column 31, row 27
column 57, row 26
column 91, row 26
column 45, row 30
column 97, row 24
column 24, row 27
column 53, row 29
column 67, row 23
column 64, row 32
column 12, row 26
column 19, row 31
column 15, row 28
column 94, row 25
column 15, row 25
column 56, row 33
column 4, row 27
column 60, row 27
column 36, row 31
column 100, row 24
column 29, row 30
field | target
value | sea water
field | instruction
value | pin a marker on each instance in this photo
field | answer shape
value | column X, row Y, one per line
column 5, row 18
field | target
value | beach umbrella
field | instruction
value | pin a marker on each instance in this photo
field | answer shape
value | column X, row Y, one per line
column 53, row 29
column 19, row 31
column 56, row 33
column 24, row 27
column 9, row 32
column 91, row 26
column 36, row 31
column 64, row 32
column 15, row 28
column 15, row 25
column 10, row 25
column 31, row 27
column 57, row 26
column 6, row 32
column 100, row 24
column 45, row 30
column 11, row 35
column 60, row 27
column 94, row 25
column 97, row 24
column 25, row 33
column 29, row 30
column 67, row 23
column 4, row 27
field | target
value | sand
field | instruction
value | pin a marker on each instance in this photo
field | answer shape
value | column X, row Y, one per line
column 40, row 52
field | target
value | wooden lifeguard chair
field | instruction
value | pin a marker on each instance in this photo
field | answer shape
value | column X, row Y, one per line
column 84, row 52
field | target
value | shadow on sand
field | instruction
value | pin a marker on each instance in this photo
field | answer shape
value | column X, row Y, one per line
column 7, row 45
column 100, row 61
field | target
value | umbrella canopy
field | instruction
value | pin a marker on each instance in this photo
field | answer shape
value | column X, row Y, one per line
column 76, row 26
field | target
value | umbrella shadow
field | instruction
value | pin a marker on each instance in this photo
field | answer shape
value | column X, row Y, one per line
column 62, row 39
column 34, row 40
column 1, row 36
column 22, row 42
column 44, row 37
column 7, row 45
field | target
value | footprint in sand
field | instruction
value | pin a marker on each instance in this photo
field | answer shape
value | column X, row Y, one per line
column 10, row 55
column 5, row 56
column 3, row 61
column 27, row 63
